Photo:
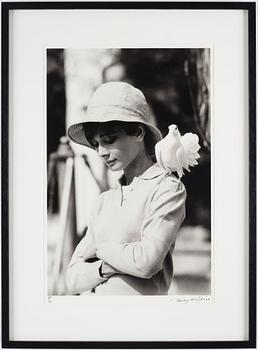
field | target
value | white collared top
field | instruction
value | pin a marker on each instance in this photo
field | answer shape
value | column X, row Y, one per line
column 134, row 228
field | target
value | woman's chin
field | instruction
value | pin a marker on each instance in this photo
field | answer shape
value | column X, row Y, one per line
column 116, row 166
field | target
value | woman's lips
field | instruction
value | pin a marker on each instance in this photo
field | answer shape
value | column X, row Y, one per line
column 111, row 162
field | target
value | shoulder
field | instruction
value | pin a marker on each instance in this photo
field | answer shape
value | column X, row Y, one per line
column 158, row 176
column 169, row 188
column 171, row 182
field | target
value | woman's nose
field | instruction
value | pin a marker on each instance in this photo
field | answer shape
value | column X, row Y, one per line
column 102, row 151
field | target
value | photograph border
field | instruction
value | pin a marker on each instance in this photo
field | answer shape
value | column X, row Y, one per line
column 251, row 9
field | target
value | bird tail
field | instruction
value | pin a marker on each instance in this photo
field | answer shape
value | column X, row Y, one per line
column 191, row 146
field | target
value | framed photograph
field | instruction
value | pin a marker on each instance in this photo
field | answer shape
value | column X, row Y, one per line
column 128, row 175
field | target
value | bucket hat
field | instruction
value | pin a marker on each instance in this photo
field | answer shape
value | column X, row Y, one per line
column 115, row 101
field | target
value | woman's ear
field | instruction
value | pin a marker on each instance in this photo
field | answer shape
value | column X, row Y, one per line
column 140, row 133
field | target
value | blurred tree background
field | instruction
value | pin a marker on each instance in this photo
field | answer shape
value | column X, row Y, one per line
column 56, row 102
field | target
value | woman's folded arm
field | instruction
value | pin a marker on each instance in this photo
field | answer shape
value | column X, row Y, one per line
column 144, row 258
column 83, row 275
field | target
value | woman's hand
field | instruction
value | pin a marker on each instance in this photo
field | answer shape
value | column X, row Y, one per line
column 90, row 252
column 107, row 270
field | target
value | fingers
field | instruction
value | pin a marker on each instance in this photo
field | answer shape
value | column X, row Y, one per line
column 90, row 252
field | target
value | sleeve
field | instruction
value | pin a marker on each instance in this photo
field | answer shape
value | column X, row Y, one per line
column 82, row 275
column 164, row 217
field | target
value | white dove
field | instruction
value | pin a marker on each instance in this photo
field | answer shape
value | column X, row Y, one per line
column 175, row 152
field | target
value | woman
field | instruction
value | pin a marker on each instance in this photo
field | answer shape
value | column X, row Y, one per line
column 132, row 232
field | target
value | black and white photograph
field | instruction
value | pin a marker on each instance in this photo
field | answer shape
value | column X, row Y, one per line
column 129, row 171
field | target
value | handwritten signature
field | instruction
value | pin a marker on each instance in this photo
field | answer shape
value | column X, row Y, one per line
column 186, row 300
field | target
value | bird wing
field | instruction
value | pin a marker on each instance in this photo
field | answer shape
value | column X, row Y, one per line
column 191, row 147
column 180, row 157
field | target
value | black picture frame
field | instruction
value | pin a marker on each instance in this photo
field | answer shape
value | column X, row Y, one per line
column 251, row 9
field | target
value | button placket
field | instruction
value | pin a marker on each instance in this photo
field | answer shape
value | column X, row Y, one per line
column 125, row 190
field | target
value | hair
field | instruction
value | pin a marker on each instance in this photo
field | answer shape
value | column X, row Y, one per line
column 130, row 128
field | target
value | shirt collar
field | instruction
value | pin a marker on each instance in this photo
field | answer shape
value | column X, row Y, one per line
column 153, row 171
